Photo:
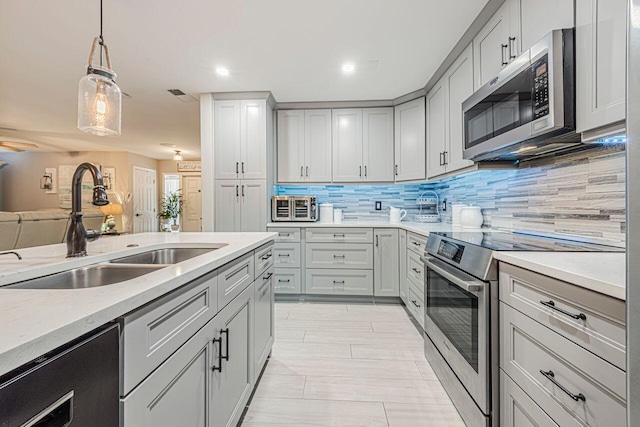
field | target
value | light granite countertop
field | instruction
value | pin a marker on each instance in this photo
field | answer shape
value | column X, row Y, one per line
column 35, row 321
column 414, row 227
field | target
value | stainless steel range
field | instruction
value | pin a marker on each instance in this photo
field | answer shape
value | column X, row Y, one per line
column 461, row 313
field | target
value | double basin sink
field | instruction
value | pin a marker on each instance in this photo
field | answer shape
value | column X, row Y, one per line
column 115, row 271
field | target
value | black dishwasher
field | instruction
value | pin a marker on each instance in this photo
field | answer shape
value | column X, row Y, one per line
column 75, row 385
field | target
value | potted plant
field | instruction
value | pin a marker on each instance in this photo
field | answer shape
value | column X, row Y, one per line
column 171, row 208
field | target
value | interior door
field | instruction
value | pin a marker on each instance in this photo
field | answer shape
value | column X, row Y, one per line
column 291, row 141
column 144, row 200
column 227, row 205
column 347, row 145
column 377, row 135
column 253, row 197
column 192, row 210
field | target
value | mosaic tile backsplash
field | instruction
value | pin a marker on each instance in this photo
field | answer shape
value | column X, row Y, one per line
column 580, row 194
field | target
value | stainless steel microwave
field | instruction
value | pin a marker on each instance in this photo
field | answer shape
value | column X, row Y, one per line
column 294, row 208
column 529, row 108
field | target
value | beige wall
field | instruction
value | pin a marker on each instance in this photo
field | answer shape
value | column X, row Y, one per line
column 20, row 181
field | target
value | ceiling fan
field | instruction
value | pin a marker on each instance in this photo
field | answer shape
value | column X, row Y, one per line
column 16, row 147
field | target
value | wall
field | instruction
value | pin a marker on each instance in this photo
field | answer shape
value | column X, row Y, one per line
column 579, row 194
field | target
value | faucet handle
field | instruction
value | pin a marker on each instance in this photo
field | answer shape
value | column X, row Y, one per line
column 93, row 235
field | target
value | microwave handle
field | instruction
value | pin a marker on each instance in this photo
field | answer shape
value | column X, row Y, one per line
column 469, row 285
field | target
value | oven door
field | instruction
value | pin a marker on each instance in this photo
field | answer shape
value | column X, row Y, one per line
column 457, row 321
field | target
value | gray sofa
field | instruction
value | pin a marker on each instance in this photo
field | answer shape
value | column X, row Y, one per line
column 38, row 228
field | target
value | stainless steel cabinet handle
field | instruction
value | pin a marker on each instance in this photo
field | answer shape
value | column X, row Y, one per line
column 551, row 304
column 504, row 52
column 551, row 377
column 415, row 303
column 416, row 270
column 512, row 51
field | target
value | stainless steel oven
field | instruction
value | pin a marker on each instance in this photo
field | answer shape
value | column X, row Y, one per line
column 528, row 109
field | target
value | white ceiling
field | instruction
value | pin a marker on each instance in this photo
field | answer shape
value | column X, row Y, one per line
column 293, row 48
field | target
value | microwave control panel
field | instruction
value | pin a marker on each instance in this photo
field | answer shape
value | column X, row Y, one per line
column 540, row 88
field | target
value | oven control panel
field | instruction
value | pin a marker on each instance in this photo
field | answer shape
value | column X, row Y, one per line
column 450, row 251
column 540, row 88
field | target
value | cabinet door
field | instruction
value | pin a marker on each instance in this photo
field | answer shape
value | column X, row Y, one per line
column 177, row 393
column 254, row 205
column 226, row 139
column 317, row 145
column 459, row 86
column 377, row 136
column 491, row 46
column 227, row 205
column 436, row 129
column 402, row 236
column 231, row 387
column 536, row 21
column 347, row 145
column 601, row 61
column 517, row 409
column 386, row 268
column 410, row 144
column 264, row 320
column 291, row 145
column 253, row 139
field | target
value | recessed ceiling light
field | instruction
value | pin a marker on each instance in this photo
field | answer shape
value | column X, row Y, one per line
column 221, row 71
column 348, row 68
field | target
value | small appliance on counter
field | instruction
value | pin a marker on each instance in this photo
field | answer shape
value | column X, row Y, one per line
column 396, row 215
column 471, row 217
column 326, row 213
column 294, row 208
column 428, row 203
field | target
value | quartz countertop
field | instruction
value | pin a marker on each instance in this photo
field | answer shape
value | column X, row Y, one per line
column 36, row 321
column 422, row 228
column 603, row 272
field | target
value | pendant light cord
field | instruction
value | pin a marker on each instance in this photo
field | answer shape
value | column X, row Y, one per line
column 101, row 38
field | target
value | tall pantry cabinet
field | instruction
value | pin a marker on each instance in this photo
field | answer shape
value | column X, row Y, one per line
column 237, row 156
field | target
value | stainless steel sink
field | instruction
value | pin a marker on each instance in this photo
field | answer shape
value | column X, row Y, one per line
column 87, row 277
column 165, row 256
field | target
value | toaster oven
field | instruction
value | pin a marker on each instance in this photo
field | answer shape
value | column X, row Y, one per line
column 294, row 208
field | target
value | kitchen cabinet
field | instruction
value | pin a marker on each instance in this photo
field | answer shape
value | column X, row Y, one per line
column 517, row 409
column 601, row 63
column 339, row 282
column 402, row 253
column 386, row 280
column 347, row 145
column 445, row 127
column 241, row 205
column 304, row 146
column 264, row 320
column 240, row 139
column 377, row 146
column 233, row 361
column 409, row 140
column 514, row 28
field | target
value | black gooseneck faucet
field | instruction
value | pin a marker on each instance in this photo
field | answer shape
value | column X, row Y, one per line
column 77, row 236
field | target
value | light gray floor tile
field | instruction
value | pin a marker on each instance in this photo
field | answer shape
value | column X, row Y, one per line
column 426, row 370
column 281, row 386
column 388, row 352
column 324, row 324
column 360, row 337
column 289, row 334
column 411, row 415
column 406, row 369
column 312, row 350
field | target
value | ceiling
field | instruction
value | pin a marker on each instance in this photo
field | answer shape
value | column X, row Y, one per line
column 293, row 48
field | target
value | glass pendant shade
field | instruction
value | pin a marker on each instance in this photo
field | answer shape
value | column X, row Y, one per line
column 99, row 104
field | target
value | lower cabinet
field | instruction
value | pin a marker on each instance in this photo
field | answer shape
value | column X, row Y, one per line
column 386, row 280
column 339, row 282
column 264, row 317
column 402, row 237
column 287, row 281
column 517, row 409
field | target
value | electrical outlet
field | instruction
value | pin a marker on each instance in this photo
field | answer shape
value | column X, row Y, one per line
column 378, row 206
column 444, row 206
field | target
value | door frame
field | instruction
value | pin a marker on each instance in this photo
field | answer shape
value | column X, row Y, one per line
column 155, row 190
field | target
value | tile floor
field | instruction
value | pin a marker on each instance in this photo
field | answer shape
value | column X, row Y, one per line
column 339, row 365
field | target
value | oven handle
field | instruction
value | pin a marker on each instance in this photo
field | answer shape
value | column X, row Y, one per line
column 449, row 273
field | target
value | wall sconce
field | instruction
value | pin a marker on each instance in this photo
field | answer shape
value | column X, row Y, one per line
column 46, row 182
column 49, row 181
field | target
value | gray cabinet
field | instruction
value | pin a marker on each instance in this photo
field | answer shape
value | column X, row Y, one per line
column 339, row 255
column 409, row 140
column 234, row 277
column 241, row 205
column 402, row 250
column 339, row 282
column 233, row 358
column 339, row 235
column 287, row 281
column 264, row 320
column 177, row 393
column 517, row 409
column 386, row 263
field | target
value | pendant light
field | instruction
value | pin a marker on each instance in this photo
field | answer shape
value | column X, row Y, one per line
column 178, row 156
column 99, row 97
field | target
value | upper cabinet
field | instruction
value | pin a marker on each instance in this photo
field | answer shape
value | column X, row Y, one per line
column 514, row 28
column 377, row 145
column 410, row 144
column 240, row 148
column 445, row 128
column 347, row 145
column 601, row 63
column 304, row 146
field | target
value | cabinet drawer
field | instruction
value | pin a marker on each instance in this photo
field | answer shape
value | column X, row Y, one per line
column 287, row 281
column 416, row 306
column 154, row 332
column 233, row 278
column 416, row 243
column 418, row 290
column 339, row 235
column 602, row 330
column 263, row 258
column 529, row 349
column 286, row 234
column 517, row 409
column 415, row 269
column 345, row 255
column 339, row 282
column 287, row 255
